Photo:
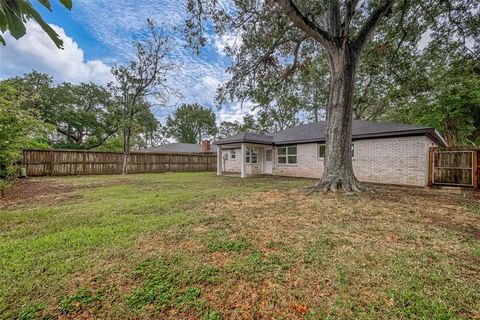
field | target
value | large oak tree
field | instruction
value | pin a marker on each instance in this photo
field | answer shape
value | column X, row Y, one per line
column 285, row 35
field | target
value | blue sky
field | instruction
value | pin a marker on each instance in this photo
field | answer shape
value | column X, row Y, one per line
column 99, row 33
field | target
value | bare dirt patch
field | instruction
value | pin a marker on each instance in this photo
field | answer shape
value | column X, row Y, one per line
column 49, row 191
column 35, row 191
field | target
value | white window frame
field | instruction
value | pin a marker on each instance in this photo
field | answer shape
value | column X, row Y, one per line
column 287, row 155
column 249, row 153
column 233, row 154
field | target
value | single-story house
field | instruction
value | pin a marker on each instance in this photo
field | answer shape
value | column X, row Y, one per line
column 382, row 152
column 204, row 147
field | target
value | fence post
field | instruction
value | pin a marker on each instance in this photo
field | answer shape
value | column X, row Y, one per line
column 23, row 163
column 84, row 164
column 51, row 162
column 430, row 166
column 475, row 169
column 208, row 158
column 190, row 162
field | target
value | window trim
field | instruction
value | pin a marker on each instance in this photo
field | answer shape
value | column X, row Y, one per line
column 233, row 154
column 287, row 155
column 248, row 156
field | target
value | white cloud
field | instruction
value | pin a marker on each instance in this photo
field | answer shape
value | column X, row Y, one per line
column 236, row 112
column 37, row 51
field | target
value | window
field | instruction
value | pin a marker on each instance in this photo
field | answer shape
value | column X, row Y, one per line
column 321, row 150
column 251, row 155
column 233, row 155
column 268, row 155
column 287, row 155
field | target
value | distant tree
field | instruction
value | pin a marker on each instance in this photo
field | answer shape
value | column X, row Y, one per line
column 84, row 116
column 145, row 131
column 38, row 91
column 280, row 114
column 19, row 128
column 15, row 13
column 191, row 123
column 228, row 128
column 145, row 76
column 250, row 124
column 443, row 91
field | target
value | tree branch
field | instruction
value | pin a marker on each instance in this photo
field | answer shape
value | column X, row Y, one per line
column 302, row 22
column 370, row 23
column 350, row 7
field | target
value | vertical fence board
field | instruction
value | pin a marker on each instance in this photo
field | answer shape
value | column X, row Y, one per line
column 79, row 162
column 476, row 168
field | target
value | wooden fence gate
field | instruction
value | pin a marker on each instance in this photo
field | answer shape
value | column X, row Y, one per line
column 454, row 166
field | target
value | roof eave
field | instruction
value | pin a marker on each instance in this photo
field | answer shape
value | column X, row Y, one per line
column 430, row 132
column 219, row 143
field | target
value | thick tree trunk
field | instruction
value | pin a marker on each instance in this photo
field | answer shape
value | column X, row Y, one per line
column 338, row 169
column 126, row 149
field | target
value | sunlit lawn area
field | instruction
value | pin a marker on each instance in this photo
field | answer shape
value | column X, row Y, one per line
column 197, row 246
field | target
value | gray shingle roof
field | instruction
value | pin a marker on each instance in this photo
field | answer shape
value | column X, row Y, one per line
column 315, row 132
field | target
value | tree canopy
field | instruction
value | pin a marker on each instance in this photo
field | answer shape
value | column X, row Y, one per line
column 191, row 123
column 19, row 127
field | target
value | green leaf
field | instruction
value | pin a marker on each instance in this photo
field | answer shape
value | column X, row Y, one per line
column 45, row 26
column 46, row 4
column 67, row 4
column 15, row 25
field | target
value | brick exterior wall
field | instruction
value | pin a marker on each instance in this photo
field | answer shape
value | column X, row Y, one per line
column 233, row 165
column 398, row 160
column 402, row 160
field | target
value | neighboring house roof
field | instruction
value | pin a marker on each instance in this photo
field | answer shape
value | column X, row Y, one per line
column 179, row 148
column 315, row 132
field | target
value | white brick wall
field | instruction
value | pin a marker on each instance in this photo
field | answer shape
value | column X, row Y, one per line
column 308, row 164
column 233, row 165
column 401, row 160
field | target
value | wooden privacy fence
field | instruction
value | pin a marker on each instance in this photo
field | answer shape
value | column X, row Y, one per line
column 454, row 166
column 79, row 162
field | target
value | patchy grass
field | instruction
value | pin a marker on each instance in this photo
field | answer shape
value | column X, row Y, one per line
column 196, row 246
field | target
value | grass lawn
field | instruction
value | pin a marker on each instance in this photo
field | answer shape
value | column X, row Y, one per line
column 197, row 246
